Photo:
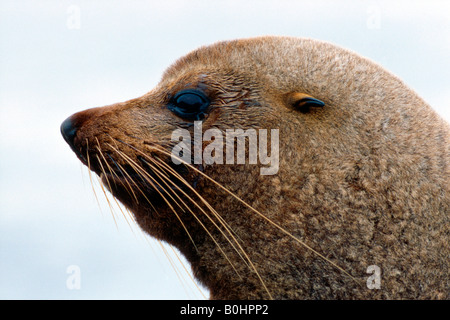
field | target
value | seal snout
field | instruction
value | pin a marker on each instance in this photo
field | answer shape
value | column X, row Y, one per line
column 68, row 131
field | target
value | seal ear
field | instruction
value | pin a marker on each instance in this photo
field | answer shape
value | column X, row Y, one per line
column 303, row 101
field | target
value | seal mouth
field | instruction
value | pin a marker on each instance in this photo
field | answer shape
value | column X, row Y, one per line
column 144, row 183
column 141, row 181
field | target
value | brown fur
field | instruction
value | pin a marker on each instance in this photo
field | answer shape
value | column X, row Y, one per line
column 363, row 180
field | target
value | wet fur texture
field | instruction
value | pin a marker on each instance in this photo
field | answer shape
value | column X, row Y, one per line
column 363, row 180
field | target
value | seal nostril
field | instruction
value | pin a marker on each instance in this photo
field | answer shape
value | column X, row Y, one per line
column 68, row 131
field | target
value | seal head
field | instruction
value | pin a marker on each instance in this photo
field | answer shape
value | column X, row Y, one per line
column 361, row 181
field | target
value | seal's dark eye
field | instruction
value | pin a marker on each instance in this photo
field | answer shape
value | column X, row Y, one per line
column 189, row 104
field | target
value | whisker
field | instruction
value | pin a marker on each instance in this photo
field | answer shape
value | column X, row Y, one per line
column 187, row 272
column 123, row 173
column 90, row 175
column 109, row 185
column 201, row 223
column 151, row 181
column 195, row 216
column 105, row 165
column 174, row 267
column 216, row 214
column 106, row 196
column 156, row 159
column 257, row 212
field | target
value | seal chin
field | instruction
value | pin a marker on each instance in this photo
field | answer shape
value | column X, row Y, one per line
column 122, row 189
column 118, row 184
column 108, row 180
column 130, row 189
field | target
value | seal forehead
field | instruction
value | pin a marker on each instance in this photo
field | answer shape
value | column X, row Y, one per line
column 232, row 54
column 268, row 58
column 206, row 57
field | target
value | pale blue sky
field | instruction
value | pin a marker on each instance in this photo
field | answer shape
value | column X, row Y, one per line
column 53, row 64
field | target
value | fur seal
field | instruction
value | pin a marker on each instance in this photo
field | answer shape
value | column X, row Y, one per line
column 358, row 207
